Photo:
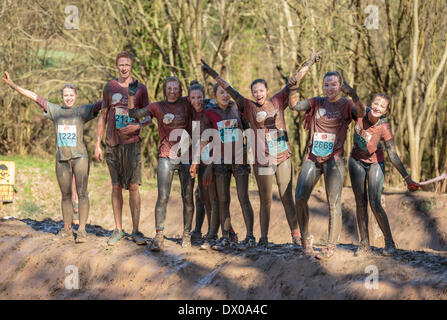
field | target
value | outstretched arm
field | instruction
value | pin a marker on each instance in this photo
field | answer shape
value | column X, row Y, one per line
column 360, row 109
column 395, row 160
column 294, row 81
column 27, row 93
column 232, row 92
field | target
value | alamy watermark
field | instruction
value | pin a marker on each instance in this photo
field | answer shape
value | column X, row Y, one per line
column 72, row 280
column 372, row 280
column 72, row 20
column 229, row 145
column 372, row 20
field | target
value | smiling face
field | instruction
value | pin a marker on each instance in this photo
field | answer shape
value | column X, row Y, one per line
column 331, row 87
column 379, row 107
column 69, row 97
column 124, row 66
column 222, row 97
column 259, row 92
column 196, row 99
column 172, row 91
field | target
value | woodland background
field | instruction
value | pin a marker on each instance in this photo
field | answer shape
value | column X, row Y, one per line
column 405, row 57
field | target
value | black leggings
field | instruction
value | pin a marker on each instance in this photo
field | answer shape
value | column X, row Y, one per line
column 64, row 173
column 283, row 176
column 165, row 174
column 371, row 175
column 206, row 203
column 223, row 174
column 334, row 172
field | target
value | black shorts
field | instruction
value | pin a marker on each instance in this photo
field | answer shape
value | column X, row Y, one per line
column 124, row 162
column 236, row 169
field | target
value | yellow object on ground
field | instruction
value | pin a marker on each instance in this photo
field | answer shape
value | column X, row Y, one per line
column 7, row 180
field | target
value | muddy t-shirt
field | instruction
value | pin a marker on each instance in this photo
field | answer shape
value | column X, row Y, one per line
column 171, row 116
column 367, row 137
column 269, row 118
column 69, row 127
column 329, row 123
column 229, row 126
column 200, row 123
column 115, row 99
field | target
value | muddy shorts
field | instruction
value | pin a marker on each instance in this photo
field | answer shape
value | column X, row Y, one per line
column 236, row 169
column 124, row 162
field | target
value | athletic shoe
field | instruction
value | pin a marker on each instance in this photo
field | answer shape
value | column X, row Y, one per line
column 248, row 242
column 196, row 236
column 233, row 236
column 115, row 237
column 138, row 238
column 263, row 243
column 295, row 243
column 186, row 240
column 64, row 234
column 362, row 250
column 390, row 248
column 221, row 244
column 157, row 244
column 209, row 242
column 326, row 252
column 81, row 236
column 306, row 243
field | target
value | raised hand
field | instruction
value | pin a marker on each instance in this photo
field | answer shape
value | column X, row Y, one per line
column 8, row 80
column 346, row 88
column 133, row 87
column 313, row 58
column 208, row 70
column 413, row 186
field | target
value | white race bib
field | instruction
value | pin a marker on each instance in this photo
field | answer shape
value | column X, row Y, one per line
column 66, row 136
column 323, row 144
column 228, row 130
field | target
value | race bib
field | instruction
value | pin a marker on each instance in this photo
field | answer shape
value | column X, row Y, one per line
column 362, row 141
column 323, row 144
column 122, row 118
column 228, row 130
column 205, row 154
column 66, row 136
column 276, row 142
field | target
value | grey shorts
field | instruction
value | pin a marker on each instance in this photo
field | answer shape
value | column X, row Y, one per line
column 124, row 162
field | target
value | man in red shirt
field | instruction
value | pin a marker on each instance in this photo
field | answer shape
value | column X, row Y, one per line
column 123, row 145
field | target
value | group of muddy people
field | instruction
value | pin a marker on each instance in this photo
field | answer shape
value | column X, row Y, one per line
column 214, row 138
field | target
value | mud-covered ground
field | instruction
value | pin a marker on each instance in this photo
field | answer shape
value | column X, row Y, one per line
column 33, row 264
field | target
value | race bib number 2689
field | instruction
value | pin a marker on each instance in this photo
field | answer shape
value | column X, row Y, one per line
column 323, row 144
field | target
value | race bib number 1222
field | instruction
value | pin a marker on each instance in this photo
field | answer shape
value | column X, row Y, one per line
column 66, row 136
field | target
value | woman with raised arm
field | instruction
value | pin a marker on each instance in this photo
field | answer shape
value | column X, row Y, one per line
column 173, row 116
column 367, row 168
column 272, row 150
column 327, row 119
column 71, row 154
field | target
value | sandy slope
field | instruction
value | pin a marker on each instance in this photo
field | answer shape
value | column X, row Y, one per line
column 33, row 265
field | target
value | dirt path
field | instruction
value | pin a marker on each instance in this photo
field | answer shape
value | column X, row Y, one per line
column 34, row 265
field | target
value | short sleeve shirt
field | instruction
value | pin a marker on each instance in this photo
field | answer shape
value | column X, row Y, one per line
column 171, row 116
column 367, row 137
column 115, row 99
column 69, row 128
column 329, row 123
column 269, row 118
column 229, row 127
